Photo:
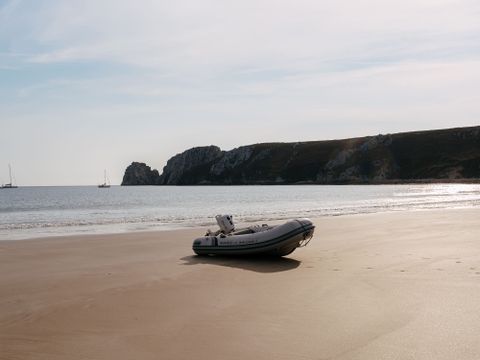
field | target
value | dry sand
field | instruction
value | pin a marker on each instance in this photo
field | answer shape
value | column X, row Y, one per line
column 381, row 286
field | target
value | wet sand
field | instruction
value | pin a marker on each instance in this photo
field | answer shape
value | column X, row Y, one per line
column 401, row 285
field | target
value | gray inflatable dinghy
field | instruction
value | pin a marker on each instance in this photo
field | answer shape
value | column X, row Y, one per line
column 277, row 240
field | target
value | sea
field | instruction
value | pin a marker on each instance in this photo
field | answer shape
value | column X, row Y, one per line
column 33, row 212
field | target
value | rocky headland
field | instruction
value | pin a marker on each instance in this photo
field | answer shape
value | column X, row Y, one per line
column 423, row 156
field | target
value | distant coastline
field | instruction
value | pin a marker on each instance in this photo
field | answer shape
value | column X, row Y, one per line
column 436, row 156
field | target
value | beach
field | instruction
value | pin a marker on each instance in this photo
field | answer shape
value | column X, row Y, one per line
column 398, row 285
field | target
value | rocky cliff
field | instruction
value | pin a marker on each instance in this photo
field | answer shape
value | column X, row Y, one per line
column 451, row 154
column 140, row 174
column 190, row 166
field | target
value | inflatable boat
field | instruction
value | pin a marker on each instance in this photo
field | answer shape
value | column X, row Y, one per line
column 277, row 240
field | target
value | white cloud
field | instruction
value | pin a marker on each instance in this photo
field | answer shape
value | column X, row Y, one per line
column 214, row 35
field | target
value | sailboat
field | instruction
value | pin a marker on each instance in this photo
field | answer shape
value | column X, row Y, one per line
column 105, row 183
column 10, row 184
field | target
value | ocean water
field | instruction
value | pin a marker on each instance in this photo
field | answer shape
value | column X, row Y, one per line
column 29, row 212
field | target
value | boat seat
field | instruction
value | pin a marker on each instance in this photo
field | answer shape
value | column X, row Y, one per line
column 244, row 231
column 252, row 229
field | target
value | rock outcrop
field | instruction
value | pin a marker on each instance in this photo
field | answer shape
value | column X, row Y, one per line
column 140, row 174
column 448, row 155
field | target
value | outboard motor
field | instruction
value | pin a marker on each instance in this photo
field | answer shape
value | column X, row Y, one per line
column 225, row 222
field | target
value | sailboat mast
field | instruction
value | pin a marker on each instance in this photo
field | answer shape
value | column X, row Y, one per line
column 105, row 176
column 10, row 172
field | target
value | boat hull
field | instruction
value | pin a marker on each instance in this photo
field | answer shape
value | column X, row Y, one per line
column 279, row 241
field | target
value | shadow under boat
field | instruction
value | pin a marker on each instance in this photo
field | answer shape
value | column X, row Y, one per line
column 258, row 263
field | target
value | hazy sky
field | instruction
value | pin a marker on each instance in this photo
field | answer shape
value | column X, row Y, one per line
column 93, row 84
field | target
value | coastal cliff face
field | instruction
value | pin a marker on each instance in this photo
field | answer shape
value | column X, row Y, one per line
column 415, row 156
column 191, row 166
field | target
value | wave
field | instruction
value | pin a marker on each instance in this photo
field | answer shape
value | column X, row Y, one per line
column 253, row 216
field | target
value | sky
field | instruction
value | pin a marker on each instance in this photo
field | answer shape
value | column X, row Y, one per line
column 93, row 85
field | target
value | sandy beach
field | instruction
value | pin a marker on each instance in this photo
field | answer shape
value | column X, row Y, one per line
column 402, row 285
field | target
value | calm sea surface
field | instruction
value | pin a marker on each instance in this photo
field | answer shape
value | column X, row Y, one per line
column 29, row 212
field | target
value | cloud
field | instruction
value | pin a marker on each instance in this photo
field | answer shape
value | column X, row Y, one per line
column 262, row 47
column 214, row 35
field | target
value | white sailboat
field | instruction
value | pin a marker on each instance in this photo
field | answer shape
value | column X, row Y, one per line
column 106, row 181
column 10, row 184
